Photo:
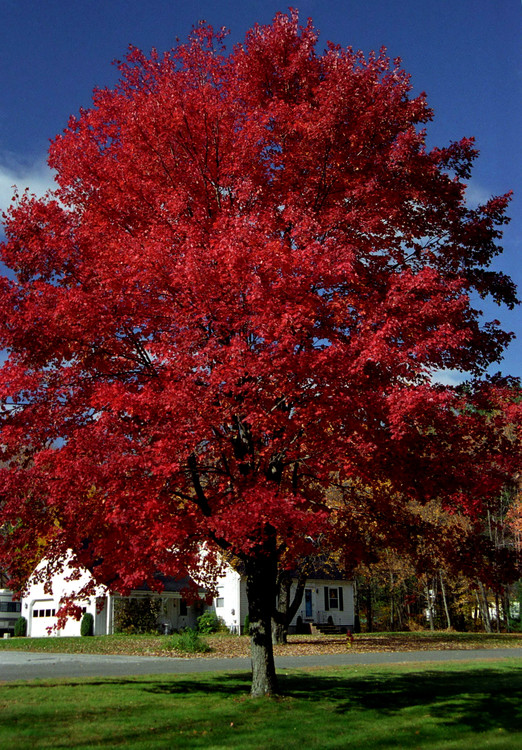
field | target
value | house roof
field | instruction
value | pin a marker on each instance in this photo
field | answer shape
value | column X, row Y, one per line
column 172, row 585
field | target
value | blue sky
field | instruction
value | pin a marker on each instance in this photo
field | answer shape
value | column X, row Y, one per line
column 466, row 54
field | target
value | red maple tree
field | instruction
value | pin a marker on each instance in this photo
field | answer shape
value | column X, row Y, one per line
column 248, row 270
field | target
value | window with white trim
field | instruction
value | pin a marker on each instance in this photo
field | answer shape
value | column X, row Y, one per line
column 333, row 598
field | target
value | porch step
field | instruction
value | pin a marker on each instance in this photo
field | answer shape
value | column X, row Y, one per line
column 328, row 629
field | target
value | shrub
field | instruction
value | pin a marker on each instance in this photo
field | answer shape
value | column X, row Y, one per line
column 189, row 641
column 87, row 624
column 515, row 625
column 137, row 615
column 246, row 626
column 209, row 622
column 20, row 627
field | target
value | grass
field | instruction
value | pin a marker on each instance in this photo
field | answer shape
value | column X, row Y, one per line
column 133, row 645
column 223, row 645
column 401, row 707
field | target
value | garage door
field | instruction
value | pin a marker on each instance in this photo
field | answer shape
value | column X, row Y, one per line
column 43, row 616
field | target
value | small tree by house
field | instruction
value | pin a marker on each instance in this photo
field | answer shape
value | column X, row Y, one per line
column 137, row 614
column 87, row 624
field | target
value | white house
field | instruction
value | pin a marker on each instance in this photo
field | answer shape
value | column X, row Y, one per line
column 325, row 602
column 10, row 611
column 39, row 606
column 42, row 601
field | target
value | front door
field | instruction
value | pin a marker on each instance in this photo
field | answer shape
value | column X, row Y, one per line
column 308, row 603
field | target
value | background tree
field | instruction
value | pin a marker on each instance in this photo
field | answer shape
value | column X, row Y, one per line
column 449, row 559
column 248, row 271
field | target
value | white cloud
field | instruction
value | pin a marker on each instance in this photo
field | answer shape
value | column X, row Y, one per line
column 448, row 377
column 21, row 174
column 476, row 195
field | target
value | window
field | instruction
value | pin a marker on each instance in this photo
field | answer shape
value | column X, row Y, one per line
column 44, row 612
column 220, row 602
column 333, row 598
column 10, row 607
column 183, row 608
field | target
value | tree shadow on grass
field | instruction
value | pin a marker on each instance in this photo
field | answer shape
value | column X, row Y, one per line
column 204, row 683
column 481, row 699
column 226, row 684
column 126, row 719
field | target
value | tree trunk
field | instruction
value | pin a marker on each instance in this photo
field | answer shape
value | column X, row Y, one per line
column 279, row 615
column 497, row 609
column 506, row 608
column 279, row 631
column 484, row 607
column 444, row 600
column 369, row 608
column 392, row 602
column 476, row 611
column 285, row 610
column 357, row 612
column 261, row 575
column 429, row 602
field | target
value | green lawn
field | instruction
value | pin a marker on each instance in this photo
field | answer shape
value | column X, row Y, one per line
column 133, row 645
column 458, row 705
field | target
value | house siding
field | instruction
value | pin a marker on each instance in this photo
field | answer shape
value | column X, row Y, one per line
column 342, row 616
column 10, row 611
column 232, row 590
column 230, row 604
column 41, row 604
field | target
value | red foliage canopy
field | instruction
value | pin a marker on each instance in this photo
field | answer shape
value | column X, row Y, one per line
column 249, row 268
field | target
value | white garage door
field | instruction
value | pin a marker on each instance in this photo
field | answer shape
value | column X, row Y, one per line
column 43, row 616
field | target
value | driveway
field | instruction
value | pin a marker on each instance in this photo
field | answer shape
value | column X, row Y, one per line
column 25, row 665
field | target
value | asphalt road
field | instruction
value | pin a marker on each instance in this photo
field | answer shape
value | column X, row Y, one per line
column 24, row 665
